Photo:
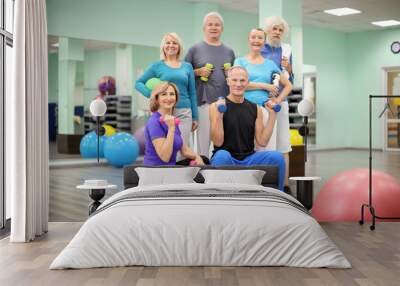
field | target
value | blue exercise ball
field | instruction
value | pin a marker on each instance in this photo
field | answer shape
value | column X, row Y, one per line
column 88, row 145
column 121, row 149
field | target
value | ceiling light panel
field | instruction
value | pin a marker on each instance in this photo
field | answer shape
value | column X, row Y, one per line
column 342, row 11
column 386, row 23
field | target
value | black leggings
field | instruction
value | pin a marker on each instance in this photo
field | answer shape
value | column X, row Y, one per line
column 186, row 162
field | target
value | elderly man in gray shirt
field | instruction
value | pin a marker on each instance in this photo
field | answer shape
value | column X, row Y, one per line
column 210, row 60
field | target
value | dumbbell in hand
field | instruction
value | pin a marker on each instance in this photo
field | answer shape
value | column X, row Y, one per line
column 222, row 106
column 272, row 105
column 227, row 65
column 225, row 68
column 275, row 81
column 177, row 120
column 209, row 67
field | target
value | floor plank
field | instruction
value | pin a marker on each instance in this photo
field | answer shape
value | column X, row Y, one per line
column 375, row 257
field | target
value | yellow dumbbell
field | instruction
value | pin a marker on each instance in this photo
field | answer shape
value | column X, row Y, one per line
column 227, row 65
column 209, row 67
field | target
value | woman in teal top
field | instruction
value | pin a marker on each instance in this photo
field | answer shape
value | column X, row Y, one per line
column 260, row 70
column 171, row 68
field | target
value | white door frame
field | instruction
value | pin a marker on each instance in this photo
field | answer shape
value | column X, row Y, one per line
column 307, row 75
column 385, row 70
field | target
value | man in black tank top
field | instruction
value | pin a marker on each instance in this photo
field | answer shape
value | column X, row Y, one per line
column 233, row 131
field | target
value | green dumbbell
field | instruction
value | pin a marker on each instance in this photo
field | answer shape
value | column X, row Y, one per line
column 209, row 67
column 227, row 65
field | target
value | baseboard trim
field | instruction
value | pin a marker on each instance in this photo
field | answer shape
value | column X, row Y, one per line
column 70, row 163
column 344, row 149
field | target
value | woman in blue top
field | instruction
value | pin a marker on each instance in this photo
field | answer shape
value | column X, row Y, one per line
column 171, row 68
column 260, row 88
column 162, row 134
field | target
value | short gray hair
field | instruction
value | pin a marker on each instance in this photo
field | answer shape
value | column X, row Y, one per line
column 237, row 68
column 213, row 14
column 273, row 21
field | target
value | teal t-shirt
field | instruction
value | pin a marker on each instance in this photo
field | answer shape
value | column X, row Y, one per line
column 258, row 73
column 183, row 77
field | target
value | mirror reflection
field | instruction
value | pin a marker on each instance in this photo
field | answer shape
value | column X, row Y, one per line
column 83, row 70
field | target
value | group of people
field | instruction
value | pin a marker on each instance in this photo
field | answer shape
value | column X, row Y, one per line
column 248, row 130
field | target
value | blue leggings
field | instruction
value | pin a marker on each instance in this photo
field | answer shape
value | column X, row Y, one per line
column 223, row 157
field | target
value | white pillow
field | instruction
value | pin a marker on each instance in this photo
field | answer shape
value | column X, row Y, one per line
column 248, row 177
column 166, row 176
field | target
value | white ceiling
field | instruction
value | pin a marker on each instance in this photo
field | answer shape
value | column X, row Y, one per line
column 372, row 10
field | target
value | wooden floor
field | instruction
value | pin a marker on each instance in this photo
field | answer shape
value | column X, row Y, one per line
column 67, row 203
column 375, row 257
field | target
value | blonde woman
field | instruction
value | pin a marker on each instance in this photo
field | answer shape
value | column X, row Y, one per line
column 171, row 68
column 163, row 137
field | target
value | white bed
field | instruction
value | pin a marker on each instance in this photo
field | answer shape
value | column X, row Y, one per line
column 224, row 225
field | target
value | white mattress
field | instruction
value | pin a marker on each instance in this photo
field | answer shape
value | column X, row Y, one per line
column 189, row 231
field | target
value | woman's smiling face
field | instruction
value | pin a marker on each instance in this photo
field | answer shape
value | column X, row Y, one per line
column 256, row 39
column 167, row 99
column 171, row 46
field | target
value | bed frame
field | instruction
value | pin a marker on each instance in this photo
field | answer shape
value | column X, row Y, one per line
column 270, row 179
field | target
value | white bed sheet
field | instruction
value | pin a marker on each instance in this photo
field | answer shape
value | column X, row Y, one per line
column 200, row 231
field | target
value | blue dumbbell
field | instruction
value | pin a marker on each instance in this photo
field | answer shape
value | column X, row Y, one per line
column 275, row 81
column 221, row 107
column 276, row 107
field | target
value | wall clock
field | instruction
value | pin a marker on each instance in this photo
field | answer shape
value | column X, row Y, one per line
column 395, row 47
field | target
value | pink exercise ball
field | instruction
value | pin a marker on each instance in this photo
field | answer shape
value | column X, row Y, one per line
column 340, row 199
column 139, row 135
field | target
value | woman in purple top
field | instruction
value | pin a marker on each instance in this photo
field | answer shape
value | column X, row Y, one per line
column 162, row 135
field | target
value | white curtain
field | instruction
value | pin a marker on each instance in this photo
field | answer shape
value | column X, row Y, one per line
column 27, row 124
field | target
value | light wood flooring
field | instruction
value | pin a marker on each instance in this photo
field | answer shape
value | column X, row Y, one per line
column 67, row 203
column 375, row 257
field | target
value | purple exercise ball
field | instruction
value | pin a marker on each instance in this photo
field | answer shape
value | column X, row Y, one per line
column 139, row 135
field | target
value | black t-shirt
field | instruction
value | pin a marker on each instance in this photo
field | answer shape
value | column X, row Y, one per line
column 239, row 128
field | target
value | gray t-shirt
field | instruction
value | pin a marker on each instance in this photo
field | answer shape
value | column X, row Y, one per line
column 199, row 55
